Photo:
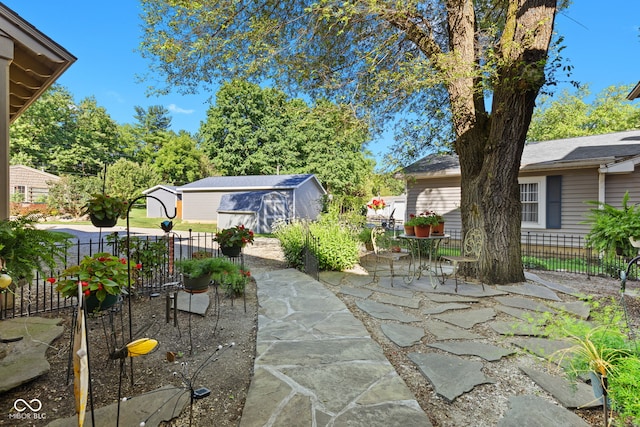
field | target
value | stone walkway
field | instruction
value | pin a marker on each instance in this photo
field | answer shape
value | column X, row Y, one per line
column 317, row 366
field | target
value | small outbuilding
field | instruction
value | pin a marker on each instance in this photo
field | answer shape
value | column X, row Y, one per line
column 256, row 200
column 167, row 195
column 30, row 185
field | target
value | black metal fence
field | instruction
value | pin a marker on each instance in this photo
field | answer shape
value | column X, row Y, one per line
column 539, row 251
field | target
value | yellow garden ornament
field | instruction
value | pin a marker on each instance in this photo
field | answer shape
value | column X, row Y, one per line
column 138, row 347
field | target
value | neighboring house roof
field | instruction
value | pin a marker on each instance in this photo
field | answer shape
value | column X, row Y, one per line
column 614, row 152
column 248, row 201
column 14, row 168
column 250, row 182
column 635, row 93
column 170, row 188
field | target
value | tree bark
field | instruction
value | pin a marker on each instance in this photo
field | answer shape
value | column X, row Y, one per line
column 490, row 150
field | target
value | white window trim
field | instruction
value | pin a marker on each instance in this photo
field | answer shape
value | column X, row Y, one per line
column 542, row 201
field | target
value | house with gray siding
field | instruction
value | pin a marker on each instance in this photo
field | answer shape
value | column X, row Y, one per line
column 256, row 200
column 556, row 179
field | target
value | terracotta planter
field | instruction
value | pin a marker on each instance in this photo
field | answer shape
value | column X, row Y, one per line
column 437, row 230
column 408, row 230
column 103, row 223
column 422, row 230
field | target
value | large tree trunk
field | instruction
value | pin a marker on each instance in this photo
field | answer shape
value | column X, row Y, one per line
column 490, row 149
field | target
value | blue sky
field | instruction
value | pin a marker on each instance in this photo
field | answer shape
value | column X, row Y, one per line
column 602, row 39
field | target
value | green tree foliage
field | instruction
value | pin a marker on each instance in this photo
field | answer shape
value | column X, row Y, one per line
column 571, row 115
column 63, row 137
column 255, row 131
column 384, row 58
column 128, row 179
column 179, row 161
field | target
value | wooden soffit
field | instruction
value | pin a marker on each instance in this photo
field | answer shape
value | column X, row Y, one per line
column 37, row 61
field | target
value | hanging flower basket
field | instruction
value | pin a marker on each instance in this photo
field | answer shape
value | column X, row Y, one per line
column 231, row 251
column 104, row 222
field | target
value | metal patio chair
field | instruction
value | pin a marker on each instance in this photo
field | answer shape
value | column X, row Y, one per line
column 469, row 254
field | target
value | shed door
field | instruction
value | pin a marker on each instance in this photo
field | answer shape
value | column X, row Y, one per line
column 274, row 207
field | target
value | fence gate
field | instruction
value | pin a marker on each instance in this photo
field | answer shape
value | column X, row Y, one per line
column 309, row 251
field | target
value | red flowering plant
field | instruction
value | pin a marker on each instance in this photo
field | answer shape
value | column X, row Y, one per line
column 234, row 236
column 101, row 274
column 377, row 204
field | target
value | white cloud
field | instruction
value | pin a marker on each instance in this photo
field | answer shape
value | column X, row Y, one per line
column 175, row 109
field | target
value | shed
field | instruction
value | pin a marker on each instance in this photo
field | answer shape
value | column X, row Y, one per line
column 32, row 184
column 163, row 194
column 257, row 210
column 269, row 197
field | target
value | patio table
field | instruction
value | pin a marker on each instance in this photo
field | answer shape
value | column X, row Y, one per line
column 422, row 251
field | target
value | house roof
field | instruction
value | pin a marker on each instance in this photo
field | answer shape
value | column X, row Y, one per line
column 250, row 183
column 635, row 93
column 36, row 171
column 571, row 153
column 170, row 188
column 247, row 201
column 37, row 61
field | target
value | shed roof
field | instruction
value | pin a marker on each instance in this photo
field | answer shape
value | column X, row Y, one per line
column 570, row 153
column 170, row 188
column 42, row 173
column 250, row 182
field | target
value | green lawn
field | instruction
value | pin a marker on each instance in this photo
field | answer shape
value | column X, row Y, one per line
column 138, row 219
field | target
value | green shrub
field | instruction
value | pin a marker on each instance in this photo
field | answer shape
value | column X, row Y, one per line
column 337, row 247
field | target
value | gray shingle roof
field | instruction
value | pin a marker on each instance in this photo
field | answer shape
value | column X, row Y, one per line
column 561, row 153
column 250, row 182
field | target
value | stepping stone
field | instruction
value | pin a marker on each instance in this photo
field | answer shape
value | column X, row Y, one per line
column 451, row 376
column 468, row 318
column 356, row 292
column 450, row 298
column 332, row 277
column 402, row 335
column 25, row 359
column 441, row 308
column 403, row 302
column 466, row 290
column 516, row 328
column 541, row 347
column 488, row 352
column 530, row 289
column 517, row 312
column 571, row 395
column 445, row 331
column 384, row 311
column 358, row 280
column 403, row 293
column 556, row 287
column 524, row 303
column 546, row 414
column 578, row 308
column 193, row 303
column 152, row 408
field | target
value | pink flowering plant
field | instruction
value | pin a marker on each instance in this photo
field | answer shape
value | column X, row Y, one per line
column 377, row 204
column 101, row 274
column 234, row 236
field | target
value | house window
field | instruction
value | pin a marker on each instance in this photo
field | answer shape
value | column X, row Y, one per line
column 533, row 198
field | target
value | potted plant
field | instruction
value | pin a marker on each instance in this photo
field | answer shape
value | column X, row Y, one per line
column 408, row 226
column 102, row 277
column 377, row 204
column 199, row 272
column 365, row 237
column 104, row 210
column 231, row 278
column 421, row 225
column 232, row 240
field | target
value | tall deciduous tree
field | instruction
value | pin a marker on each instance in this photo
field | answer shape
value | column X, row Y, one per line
column 385, row 55
column 572, row 115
